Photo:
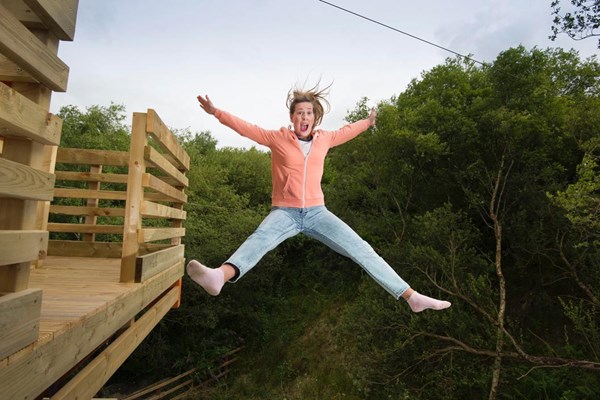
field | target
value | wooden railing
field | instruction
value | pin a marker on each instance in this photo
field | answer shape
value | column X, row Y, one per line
column 134, row 212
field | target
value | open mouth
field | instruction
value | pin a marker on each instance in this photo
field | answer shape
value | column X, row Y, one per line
column 304, row 127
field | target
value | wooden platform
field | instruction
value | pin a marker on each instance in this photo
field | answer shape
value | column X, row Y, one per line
column 76, row 288
column 83, row 305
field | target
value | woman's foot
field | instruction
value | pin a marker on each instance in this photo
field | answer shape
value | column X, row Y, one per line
column 419, row 302
column 211, row 280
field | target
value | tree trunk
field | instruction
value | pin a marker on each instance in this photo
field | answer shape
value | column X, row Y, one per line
column 501, row 313
column 494, row 212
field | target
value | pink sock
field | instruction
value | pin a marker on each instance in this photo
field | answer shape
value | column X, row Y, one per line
column 419, row 302
column 211, row 280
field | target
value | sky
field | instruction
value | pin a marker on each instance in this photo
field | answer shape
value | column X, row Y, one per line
column 247, row 54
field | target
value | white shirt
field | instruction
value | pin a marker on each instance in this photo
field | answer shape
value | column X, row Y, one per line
column 305, row 145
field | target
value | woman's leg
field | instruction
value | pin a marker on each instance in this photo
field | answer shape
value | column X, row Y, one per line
column 324, row 226
column 278, row 226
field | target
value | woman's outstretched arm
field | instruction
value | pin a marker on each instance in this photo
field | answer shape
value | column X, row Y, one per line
column 244, row 128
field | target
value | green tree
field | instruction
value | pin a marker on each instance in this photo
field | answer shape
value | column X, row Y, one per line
column 98, row 127
column 487, row 235
column 580, row 23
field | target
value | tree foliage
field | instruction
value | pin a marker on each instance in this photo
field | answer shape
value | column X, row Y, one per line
column 580, row 23
column 505, row 233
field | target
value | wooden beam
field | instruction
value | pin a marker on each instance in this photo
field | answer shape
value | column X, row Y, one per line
column 59, row 16
column 97, row 211
column 154, row 263
column 156, row 184
column 85, row 228
column 150, row 209
column 90, row 177
column 11, row 72
column 91, row 379
column 28, row 376
column 15, row 277
column 23, row 13
column 75, row 248
column 92, row 157
column 24, row 182
column 158, row 197
column 153, row 234
column 157, row 160
column 21, row 246
column 159, row 131
column 19, row 320
column 21, row 117
column 17, row 214
column 26, row 50
column 43, row 207
column 135, row 197
column 92, row 219
column 90, row 194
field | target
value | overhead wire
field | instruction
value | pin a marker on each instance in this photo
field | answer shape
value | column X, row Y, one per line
column 402, row 32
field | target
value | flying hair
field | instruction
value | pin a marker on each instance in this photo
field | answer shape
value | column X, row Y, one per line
column 314, row 95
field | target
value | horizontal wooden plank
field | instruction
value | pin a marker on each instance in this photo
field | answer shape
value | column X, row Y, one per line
column 157, row 160
column 19, row 325
column 154, row 183
column 23, row 13
column 11, row 72
column 159, row 131
column 91, row 378
column 25, row 182
column 153, row 234
column 158, row 197
column 74, row 248
column 85, row 228
column 92, row 157
column 147, row 248
column 92, row 211
column 90, row 194
column 21, row 117
column 26, row 50
column 59, row 16
column 22, row 246
column 150, row 209
column 149, row 265
column 90, row 177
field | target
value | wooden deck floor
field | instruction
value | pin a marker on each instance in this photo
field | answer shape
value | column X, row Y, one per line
column 83, row 305
column 75, row 288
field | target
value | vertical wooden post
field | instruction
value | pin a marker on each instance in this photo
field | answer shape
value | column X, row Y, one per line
column 177, row 223
column 22, row 214
column 16, row 214
column 135, row 197
column 91, row 219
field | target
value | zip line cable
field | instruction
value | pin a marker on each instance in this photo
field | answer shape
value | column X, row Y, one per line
column 402, row 32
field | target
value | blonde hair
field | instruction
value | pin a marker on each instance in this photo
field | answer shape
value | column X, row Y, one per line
column 314, row 95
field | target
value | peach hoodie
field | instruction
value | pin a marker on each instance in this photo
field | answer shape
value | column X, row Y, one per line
column 296, row 179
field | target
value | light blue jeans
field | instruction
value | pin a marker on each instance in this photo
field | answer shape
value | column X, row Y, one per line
column 318, row 223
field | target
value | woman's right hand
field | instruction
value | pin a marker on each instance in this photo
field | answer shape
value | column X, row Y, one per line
column 207, row 105
column 373, row 116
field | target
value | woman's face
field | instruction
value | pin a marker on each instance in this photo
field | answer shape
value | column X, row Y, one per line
column 303, row 119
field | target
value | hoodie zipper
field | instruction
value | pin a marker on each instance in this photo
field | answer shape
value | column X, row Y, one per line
column 304, row 179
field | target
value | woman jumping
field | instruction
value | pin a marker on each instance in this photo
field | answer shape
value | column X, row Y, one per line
column 298, row 206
